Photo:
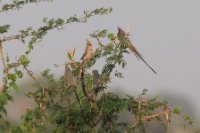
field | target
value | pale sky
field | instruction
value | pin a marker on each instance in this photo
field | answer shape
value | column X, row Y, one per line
column 165, row 32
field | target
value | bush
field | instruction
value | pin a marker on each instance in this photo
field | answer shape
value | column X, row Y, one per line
column 77, row 101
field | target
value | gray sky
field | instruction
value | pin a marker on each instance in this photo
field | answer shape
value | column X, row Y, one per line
column 165, row 32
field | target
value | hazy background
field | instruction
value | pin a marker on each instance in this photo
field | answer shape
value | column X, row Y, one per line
column 165, row 32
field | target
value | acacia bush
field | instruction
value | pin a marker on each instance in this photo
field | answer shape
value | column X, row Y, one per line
column 77, row 101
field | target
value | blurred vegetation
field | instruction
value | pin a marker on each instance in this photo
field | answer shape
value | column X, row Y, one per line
column 77, row 101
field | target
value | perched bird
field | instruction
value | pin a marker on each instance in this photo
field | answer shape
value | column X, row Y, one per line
column 123, row 38
column 88, row 52
column 96, row 78
column 69, row 77
column 97, row 82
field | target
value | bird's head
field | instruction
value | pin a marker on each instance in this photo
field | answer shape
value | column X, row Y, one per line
column 95, row 72
column 121, row 32
column 88, row 43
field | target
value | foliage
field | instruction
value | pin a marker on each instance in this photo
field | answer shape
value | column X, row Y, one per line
column 85, row 107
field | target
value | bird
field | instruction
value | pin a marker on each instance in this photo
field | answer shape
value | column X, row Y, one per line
column 69, row 77
column 97, row 82
column 123, row 38
column 96, row 78
column 87, row 55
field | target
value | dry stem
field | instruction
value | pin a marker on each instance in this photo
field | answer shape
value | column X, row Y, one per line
column 5, row 68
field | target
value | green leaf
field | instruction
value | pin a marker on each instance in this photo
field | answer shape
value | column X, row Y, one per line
column 61, row 118
column 59, row 21
column 111, row 36
column 3, row 110
column 12, row 77
column 188, row 119
column 45, row 73
column 16, row 130
column 144, row 92
column 30, row 46
column 4, row 28
column 177, row 110
column 93, row 35
column 19, row 74
column 5, row 7
column 3, row 99
column 14, row 86
column 24, row 60
column 10, row 98
column 118, row 74
column 124, row 64
column 102, row 33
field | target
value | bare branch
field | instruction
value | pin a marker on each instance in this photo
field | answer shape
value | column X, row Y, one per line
column 5, row 68
column 30, row 73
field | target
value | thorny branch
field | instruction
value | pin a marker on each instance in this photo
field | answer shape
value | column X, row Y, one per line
column 165, row 112
column 30, row 73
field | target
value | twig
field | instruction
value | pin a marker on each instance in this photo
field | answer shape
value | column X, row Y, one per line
column 139, row 108
column 158, row 114
column 5, row 68
column 91, row 92
column 9, row 38
column 139, row 103
column 24, row 2
column 135, row 124
column 43, row 89
column 2, row 56
column 32, row 76
column 78, row 99
column 100, row 42
column 83, row 85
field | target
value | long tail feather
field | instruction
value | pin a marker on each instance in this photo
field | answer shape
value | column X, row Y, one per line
column 138, row 55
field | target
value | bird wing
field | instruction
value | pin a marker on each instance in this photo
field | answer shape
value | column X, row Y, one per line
column 84, row 54
column 134, row 50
